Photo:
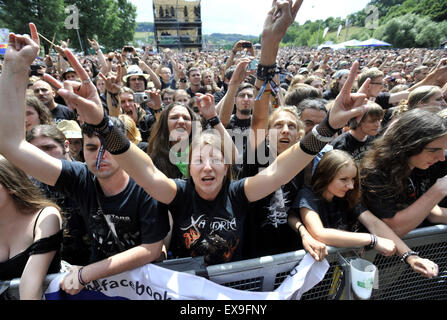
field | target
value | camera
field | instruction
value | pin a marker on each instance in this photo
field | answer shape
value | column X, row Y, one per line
column 35, row 70
column 253, row 64
column 141, row 97
column 247, row 45
column 135, row 61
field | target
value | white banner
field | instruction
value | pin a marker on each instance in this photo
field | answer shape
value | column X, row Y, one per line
column 152, row 282
column 339, row 30
column 325, row 31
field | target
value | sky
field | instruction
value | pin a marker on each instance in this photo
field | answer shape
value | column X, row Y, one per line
column 247, row 16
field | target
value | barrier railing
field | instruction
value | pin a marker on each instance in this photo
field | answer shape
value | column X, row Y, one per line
column 396, row 279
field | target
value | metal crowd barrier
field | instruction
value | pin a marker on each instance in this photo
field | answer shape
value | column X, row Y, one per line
column 397, row 281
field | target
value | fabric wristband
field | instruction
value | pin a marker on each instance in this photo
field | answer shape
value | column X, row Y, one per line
column 266, row 74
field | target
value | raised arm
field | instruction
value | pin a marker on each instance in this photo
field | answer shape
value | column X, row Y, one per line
column 228, row 100
column 131, row 158
column 101, row 59
column 154, row 77
column 346, row 106
column 207, row 107
column 21, row 52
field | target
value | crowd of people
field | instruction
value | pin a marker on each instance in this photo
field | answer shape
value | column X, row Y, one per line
column 119, row 159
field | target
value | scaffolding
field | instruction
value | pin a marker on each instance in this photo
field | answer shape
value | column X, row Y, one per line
column 177, row 24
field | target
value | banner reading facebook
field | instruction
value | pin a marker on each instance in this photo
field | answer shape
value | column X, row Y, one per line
column 152, row 282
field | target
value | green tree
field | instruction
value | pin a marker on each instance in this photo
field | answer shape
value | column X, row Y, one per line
column 112, row 22
column 435, row 9
column 47, row 15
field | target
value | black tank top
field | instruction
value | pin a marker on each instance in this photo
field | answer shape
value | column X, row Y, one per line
column 13, row 268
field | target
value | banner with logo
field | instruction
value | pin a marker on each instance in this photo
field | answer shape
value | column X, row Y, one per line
column 151, row 282
column 4, row 37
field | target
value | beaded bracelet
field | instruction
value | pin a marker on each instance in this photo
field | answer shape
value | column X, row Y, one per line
column 407, row 254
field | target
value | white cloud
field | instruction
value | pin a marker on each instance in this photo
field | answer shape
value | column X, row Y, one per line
column 247, row 16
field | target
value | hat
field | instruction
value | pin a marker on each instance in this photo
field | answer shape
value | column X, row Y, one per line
column 67, row 71
column 340, row 73
column 303, row 70
column 70, row 128
column 343, row 63
column 134, row 70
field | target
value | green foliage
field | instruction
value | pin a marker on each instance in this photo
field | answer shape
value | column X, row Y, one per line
column 435, row 9
column 48, row 15
column 403, row 23
column 111, row 22
column 412, row 30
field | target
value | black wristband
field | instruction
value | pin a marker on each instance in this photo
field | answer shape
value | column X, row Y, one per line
column 266, row 73
column 113, row 139
column 214, row 121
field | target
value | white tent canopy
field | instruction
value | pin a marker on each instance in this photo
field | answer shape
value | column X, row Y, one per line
column 351, row 43
column 373, row 43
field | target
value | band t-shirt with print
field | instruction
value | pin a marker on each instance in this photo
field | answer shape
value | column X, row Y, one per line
column 135, row 217
column 267, row 231
column 212, row 229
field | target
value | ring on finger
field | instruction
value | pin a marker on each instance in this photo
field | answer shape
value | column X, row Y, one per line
column 87, row 81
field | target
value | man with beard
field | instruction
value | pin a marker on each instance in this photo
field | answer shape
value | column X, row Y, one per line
column 143, row 120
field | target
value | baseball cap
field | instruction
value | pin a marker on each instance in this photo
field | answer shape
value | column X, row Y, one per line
column 70, row 128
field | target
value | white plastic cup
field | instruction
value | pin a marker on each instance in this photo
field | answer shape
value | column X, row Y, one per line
column 362, row 277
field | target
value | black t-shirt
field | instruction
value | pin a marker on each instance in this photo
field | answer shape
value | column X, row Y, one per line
column 62, row 112
column 239, row 130
column 385, row 204
column 334, row 214
column 219, row 96
column 329, row 95
column 383, row 100
column 145, row 126
column 267, row 231
column 351, row 145
column 208, row 228
column 136, row 217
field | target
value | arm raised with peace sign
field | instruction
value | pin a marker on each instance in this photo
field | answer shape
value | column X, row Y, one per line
column 82, row 96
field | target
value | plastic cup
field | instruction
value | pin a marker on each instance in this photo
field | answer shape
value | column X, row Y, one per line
column 362, row 277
